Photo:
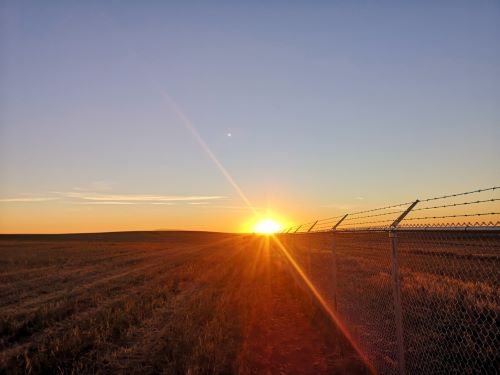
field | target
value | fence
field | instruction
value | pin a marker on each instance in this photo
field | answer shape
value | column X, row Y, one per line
column 416, row 299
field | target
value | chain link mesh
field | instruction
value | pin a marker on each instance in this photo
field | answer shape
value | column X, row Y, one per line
column 450, row 300
column 450, row 295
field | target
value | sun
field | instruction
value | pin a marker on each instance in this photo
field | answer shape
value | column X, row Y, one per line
column 267, row 226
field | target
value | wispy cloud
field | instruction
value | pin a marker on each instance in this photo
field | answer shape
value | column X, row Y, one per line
column 92, row 197
column 237, row 208
column 340, row 207
column 136, row 198
column 28, row 199
column 102, row 202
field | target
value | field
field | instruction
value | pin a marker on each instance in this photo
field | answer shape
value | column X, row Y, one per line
column 159, row 302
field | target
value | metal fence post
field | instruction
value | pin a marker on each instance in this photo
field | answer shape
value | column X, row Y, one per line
column 312, row 226
column 308, row 265
column 334, row 264
column 396, row 289
column 334, row 273
column 309, row 261
column 339, row 222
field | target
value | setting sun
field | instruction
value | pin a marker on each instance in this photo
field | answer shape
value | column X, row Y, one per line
column 267, row 226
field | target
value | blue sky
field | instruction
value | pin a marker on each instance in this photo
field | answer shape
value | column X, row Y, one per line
column 330, row 106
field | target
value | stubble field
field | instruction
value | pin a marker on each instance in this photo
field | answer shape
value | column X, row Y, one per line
column 159, row 302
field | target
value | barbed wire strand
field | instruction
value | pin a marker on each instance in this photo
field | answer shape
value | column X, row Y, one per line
column 457, row 204
column 427, row 208
column 450, row 216
column 460, row 194
column 325, row 224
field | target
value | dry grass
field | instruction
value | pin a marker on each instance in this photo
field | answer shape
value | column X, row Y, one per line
column 92, row 304
column 144, row 303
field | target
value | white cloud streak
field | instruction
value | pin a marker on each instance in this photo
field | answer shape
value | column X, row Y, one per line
column 137, row 198
column 28, row 199
column 86, row 197
column 104, row 203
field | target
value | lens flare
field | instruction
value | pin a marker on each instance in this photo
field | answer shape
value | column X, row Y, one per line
column 323, row 303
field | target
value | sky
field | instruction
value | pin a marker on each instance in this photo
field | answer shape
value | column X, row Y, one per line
column 121, row 115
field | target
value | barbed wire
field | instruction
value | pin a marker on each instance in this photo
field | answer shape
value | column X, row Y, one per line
column 371, row 222
column 450, row 216
column 331, row 218
column 327, row 223
column 381, row 208
column 457, row 204
column 479, row 224
column 460, row 194
column 324, row 225
column 426, row 208
column 384, row 214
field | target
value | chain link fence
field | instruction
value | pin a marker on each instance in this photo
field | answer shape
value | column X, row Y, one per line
column 415, row 284
column 451, row 301
column 430, row 306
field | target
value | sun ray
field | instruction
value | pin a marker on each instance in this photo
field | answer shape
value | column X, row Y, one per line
column 190, row 127
column 323, row 303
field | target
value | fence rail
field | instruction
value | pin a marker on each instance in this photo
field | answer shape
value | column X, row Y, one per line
column 418, row 294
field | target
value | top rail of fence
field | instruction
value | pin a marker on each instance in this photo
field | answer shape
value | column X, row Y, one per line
column 471, row 210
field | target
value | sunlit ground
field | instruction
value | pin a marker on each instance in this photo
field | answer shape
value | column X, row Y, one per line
column 164, row 310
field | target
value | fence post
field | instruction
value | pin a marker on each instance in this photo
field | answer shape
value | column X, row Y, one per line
column 309, row 261
column 334, row 263
column 334, row 273
column 308, row 265
column 312, row 226
column 339, row 222
column 396, row 289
